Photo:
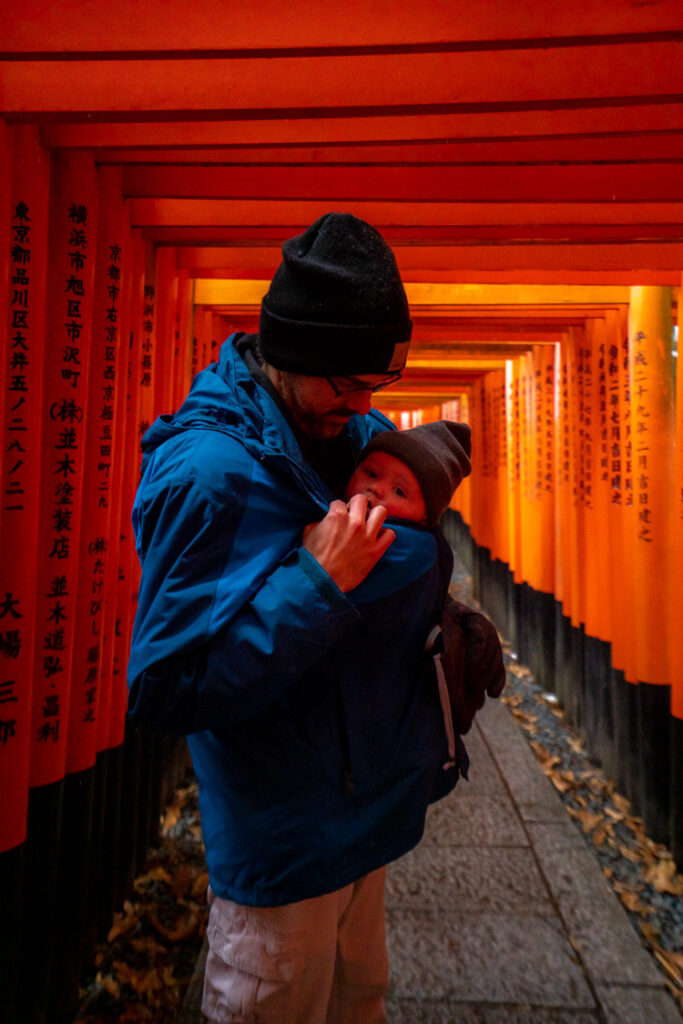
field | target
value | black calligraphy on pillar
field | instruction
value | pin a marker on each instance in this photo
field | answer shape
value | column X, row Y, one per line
column 565, row 463
column 615, row 433
column 627, row 431
column 67, row 414
column 498, row 418
column 486, row 421
column 641, row 441
column 515, row 467
column 603, row 424
column 10, row 646
column 17, row 448
column 147, row 349
column 98, row 545
column 585, row 482
column 549, row 427
column 19, row 367
column 108, row 384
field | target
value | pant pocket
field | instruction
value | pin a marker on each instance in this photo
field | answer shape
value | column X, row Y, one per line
column 249, row 968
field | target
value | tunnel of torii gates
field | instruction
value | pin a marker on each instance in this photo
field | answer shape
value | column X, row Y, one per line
column 524, row 161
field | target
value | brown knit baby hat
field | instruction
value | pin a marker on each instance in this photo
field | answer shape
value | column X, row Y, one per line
column 437, row 453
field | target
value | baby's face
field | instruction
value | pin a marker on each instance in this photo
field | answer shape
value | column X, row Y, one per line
column 385, row 480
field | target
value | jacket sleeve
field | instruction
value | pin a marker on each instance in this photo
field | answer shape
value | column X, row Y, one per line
column 229, row 615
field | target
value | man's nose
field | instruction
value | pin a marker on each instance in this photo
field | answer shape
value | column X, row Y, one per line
column 359, row 401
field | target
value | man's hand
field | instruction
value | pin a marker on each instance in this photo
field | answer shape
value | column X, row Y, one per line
column 349, row 541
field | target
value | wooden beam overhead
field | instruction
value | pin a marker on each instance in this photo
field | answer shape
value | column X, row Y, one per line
column 142, row 26
column 211, row 213
column 469, row 298
column 226, row 128
column 516, row 152
column 587, row 74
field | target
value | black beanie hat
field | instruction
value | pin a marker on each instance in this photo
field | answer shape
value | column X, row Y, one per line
column 336, row 304
column 438, row 454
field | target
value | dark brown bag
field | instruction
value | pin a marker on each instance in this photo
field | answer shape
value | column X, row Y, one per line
column 467, row 660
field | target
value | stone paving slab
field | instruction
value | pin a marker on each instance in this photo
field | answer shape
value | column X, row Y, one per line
column 598, row 924
column 483, row 958
column 474, row 820
column 413, row 1011
column 485, row 778
column 471, row 881
column 630, row 1005
column 533, row 794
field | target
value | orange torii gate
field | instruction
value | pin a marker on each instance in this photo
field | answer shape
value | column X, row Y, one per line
column 147, row 181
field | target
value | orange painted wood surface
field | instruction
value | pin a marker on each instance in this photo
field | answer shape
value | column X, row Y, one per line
column 70, row 284
column 25, row 229
column 135, row 25
column 434, row 80
column 90, row 700
column 652, row 437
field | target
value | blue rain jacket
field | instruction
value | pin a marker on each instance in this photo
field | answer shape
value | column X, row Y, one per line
column 316, row 747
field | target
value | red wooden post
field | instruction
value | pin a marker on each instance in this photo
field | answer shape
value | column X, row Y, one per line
column 89, row 699
column 72, row 242
column 22, row 374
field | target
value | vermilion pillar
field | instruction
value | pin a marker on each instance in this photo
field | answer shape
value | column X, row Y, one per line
column 544, row 483
column 166, row 306
column 652, row 426
column 184, row 339
column 564, row 458
column 90, row 699
column 136, row 364
column 597, row 567
column 623, row 608
column 677, row 602
column 6, row 145
column 72, row 244
column 514, row 467
column 22, row 377
column 620, row 486
column 113, row 667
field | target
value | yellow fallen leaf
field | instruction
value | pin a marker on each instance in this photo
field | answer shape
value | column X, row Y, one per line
column 671, row 962
column 124, row 922
column 183, row 926
column 564, row 781
column 600, row 835
column 621, row 803
column 547, row 759
column 109, row 985
column 148, row 945
column 141, row 981
column 170, row 818
column 632, row 902
column 662, row 875
column 157, row 874
column 513, row 700
column 629, row 854
column 650, row 931
column 201, row 884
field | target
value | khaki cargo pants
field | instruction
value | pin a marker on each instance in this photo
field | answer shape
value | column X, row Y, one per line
column 319, row 961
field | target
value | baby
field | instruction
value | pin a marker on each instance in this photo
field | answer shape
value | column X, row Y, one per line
column 414, row 473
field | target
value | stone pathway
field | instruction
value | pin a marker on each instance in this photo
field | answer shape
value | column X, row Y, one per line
column 502, row 915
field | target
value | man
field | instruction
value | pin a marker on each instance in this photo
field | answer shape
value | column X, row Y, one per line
column 316, row 749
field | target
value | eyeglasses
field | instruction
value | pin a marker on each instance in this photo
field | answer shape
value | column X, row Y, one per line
column 348, row 385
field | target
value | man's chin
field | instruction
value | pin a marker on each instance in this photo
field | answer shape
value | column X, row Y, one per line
column 328, row 428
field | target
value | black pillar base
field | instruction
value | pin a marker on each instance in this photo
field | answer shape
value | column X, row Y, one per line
column 654, row 722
